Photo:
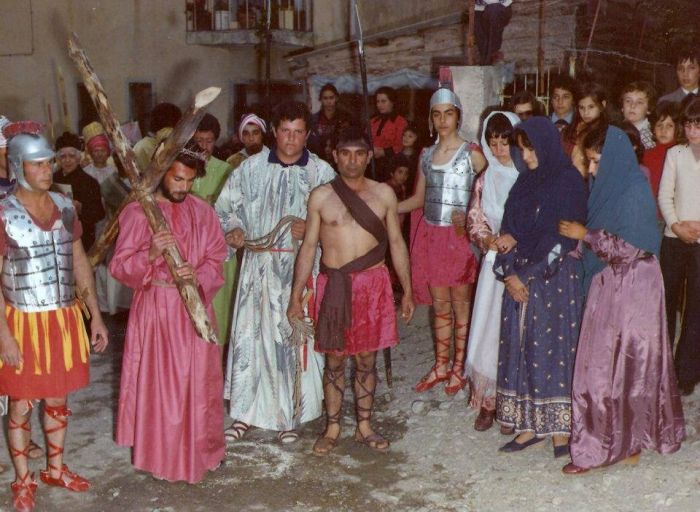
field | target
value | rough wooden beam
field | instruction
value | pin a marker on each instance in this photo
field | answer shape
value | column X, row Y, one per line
column 188, row 288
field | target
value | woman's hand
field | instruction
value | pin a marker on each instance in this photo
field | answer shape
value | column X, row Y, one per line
column 505, row 243
column 516, row 289
column 571, row 229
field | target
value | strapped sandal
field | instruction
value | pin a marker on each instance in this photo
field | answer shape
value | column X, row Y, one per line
column 236, row 431
column 457, row 370
column 24, row 493
column 432, row 378
column 324, row 444
column 287, row 436
column 373, row 440
column 67, row 479
column 16, row 452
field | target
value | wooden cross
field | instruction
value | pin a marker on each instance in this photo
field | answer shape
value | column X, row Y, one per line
column 143, row 184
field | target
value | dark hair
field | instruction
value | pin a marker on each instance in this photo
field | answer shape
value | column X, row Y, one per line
column 350, row 134
column 525, row 96
column 209, row 123
column 389, row 92
column 291, row 111
column 598, row 94
column 664, row 110
column 640, row 86
column 691, row 53
column 68, row 139
column 164, row 115
column 595, row 139
column 635, row 139
column 690, row 113
column 520, row 136
column 192, row 162
column 498, row 126
column 400, row 160
column 328, row 87
column 411, row 127
column 564, row 82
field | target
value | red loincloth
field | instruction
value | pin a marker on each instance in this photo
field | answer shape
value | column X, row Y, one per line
column 373, row 324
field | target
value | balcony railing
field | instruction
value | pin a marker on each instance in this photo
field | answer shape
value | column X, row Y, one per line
column 233, row 15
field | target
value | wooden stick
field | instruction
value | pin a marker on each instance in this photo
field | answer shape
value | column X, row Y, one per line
column 187, row 287
column 590, row 36
column 471, row 59
column 161, row 162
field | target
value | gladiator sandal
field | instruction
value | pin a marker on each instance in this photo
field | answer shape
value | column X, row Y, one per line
column 364, row 413
column 24, row 488
column 331, row 378
column 433, row 378
column 67, row 479
column 24, row 493
column 457, row 370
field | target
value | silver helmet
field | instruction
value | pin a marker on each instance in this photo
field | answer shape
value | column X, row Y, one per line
column 27, row 147
column 445, row 95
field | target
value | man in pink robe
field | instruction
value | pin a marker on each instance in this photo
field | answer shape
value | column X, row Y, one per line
column 170, row 408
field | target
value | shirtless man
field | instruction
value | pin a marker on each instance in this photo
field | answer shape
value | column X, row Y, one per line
column 354, row 218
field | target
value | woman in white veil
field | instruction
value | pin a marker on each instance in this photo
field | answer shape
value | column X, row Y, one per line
column 483, row 223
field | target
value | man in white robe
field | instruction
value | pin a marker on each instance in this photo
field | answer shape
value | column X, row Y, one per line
column 261, row 368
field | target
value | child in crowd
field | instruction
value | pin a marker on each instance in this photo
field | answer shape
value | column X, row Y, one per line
column 591, row 113
column 411, row 153
column 680, row 252
column 524, row 104
column 637, row 99
column 688, row 73
column 562, row 94
column 665, row 121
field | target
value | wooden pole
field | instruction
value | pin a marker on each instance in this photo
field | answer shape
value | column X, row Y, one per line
column 161, row 162
column 471, row 43
column 540, row 51
column 590, row 36
column 188, row 288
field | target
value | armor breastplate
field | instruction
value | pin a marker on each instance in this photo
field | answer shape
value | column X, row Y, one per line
column 448, row 188
column 37, row 271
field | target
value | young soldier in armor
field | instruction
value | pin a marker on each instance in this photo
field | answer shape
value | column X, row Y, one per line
column 443, row 266
column 44, row 348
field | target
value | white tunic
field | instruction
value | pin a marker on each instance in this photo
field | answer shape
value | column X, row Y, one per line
column 260, row 372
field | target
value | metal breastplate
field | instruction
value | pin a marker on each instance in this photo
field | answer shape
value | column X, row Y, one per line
column 37, row 271
column 447, row 189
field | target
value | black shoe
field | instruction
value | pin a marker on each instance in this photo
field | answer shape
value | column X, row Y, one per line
column 515, row 446
column 561, row 451
column 686, row 388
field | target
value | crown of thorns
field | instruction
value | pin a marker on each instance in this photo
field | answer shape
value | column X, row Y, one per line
column 194, row 154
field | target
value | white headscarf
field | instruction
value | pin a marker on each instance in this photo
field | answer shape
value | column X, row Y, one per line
column 3, row 122
column 498, row 178
column 251, row 119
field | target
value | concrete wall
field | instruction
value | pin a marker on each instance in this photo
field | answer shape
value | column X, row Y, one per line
column 126, row 41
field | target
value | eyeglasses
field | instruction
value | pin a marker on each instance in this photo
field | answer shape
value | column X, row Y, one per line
column 525, row 114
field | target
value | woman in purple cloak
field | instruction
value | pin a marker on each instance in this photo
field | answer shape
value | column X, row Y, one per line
column 625, row 397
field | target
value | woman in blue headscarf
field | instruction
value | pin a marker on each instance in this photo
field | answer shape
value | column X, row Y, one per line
column 625, row 397
column 544, row 297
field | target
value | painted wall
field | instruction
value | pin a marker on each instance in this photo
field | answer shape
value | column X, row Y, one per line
column 126, row 41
